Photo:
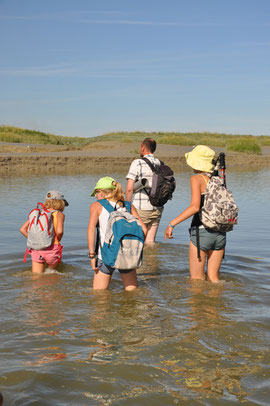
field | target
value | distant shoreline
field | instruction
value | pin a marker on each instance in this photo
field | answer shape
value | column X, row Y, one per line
column 18, row 159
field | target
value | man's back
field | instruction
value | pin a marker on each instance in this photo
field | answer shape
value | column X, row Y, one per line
column 139, row 170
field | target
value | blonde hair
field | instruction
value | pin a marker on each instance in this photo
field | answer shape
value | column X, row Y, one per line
column 55, row 204
column 114, row 194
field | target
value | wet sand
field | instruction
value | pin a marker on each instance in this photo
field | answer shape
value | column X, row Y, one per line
column 102, row 157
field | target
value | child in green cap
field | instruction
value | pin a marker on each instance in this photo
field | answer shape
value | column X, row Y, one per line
column 111, row 190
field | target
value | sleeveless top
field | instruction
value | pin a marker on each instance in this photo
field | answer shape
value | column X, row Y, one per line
column 196, row 222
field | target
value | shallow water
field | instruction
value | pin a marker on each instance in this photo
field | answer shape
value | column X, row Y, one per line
column 171, row 342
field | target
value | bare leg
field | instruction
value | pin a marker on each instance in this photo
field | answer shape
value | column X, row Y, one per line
column 213, row 264
column 196, row 266
column 37, row 267
column 130, row 280
column 151, row 234
column 101, row 281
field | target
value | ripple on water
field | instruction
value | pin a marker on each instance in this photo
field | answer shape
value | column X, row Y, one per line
column 170, row 342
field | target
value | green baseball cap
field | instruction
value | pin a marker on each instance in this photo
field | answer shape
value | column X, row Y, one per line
column 104, row 183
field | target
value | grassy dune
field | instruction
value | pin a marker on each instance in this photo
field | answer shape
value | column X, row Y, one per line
column 20, row 135
column 241, row 143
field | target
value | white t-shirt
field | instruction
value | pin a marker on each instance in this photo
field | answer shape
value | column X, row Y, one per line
column 140, row 169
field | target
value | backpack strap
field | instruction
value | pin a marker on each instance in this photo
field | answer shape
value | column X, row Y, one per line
column 152, row 166
column 107, row 206
column 25, row 254
column 203, row 178
column 128, row 206
column 41, row 206
column 154, row 170
column 198, row 243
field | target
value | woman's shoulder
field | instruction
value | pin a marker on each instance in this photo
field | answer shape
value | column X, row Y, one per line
column 196, row 178
column 200, row 176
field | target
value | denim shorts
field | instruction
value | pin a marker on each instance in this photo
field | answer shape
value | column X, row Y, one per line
column 209, row 240
column 108, row 270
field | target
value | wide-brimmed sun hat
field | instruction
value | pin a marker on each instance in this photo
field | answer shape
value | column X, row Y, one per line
column 104, row 183
column 56, row 195
column 201, row 158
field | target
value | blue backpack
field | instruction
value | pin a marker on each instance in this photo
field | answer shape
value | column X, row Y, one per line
column 124, row 239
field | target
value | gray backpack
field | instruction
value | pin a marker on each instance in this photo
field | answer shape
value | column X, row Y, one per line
column 40, row 230
column 219, row 211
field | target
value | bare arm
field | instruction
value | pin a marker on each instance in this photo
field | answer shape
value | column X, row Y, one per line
column 24, row 228
column 194, row 207
column 129, row 189
column 135, row 214
column 95, row 211
column 59, row 231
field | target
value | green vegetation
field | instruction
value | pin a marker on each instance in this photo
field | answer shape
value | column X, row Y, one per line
column 15, row 134
column 248, row 146
column 264, row 140
column 126, row 140
column 190, row 139
column 240, row 143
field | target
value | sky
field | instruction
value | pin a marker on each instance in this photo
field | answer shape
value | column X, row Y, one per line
column 88, row 67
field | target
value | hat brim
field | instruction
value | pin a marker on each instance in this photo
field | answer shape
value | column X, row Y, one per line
column 199, row 164
column 66, row 203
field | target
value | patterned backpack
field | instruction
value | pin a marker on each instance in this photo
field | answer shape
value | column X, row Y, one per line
column 219, row 211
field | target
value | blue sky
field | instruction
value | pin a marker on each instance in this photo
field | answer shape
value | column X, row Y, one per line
column 83, row 68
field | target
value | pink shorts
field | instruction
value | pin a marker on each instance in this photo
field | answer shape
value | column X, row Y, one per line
column 51, row 255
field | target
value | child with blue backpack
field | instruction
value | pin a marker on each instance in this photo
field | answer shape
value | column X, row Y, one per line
column 44, row 230
column 107, row 243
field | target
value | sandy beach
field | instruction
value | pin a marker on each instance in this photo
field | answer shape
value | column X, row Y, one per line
column 102, row 157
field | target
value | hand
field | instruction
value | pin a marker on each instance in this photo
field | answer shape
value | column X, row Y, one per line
column 93, row 263
column 168, row 233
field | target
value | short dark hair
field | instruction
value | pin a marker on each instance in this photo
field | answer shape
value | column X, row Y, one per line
column 150, row 144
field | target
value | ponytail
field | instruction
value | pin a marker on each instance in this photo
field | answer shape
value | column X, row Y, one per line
column 114, row 194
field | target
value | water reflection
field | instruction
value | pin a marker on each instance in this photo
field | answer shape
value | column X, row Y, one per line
column 170, row 342
column 44, row 315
